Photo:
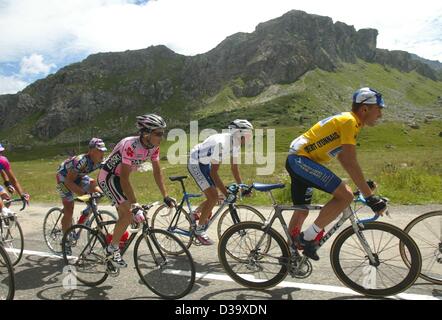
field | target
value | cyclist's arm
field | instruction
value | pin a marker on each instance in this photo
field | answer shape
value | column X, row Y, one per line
column 4, row 176
column 158, row 176
column 71, row 185
column 14, row 181
column 216, row 178
column 235, row 172
column 125, row 183
column 348, row 160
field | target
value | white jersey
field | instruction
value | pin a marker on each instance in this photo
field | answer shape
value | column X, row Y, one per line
column 215, row 148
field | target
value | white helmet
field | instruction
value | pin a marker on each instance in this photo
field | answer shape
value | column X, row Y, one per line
column 150, row 122
column 241, row 124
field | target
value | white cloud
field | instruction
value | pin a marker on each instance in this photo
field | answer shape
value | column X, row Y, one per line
column 11, row 84
column 34, row 64
column 60, row 29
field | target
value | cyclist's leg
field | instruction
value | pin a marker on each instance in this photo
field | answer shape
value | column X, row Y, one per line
column 342, row 198
column 301, row 195
column 201, row 175
column 207, row 206
column 110, row 185
column 68, row 211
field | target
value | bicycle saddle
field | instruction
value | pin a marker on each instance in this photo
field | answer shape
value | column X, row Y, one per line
column 177, row 178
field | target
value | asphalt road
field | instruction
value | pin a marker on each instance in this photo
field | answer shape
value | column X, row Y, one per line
column 39, row 275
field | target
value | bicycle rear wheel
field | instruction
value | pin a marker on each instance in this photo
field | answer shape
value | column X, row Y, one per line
column 168, row 275
column 162, row 219
column 426, row 231
column 260, row 260
column 389, row 275
column 88, row 258
column 12, row 238
column 7, row 281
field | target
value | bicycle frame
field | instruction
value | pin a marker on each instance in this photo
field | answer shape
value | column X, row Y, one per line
column 347, row 213
column 229, row 201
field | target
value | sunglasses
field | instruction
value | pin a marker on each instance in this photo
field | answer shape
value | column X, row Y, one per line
column 158, row 133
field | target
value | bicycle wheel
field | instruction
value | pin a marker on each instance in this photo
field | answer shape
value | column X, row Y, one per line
column 162, row 219
column 52, row 230
column 167, row 275
column 245, row 213
column 426, row 231
column 12, row 238
column 7, row 281
column 88, row 258
column 253, row 267
column 390, row 275
column 105, row 215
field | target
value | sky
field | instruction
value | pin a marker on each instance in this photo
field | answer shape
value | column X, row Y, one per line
column 38, row 37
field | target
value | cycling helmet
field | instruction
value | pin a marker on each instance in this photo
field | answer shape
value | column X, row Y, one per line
column 150, row 122
column 240, row 124
column 368, row 96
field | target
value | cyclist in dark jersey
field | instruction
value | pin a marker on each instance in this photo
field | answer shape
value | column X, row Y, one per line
column 72, row 178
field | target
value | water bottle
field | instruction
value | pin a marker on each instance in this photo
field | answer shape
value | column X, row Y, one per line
column 84, row 215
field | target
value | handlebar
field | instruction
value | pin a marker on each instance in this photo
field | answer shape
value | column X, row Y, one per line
column 7, row 202
column 360, row 199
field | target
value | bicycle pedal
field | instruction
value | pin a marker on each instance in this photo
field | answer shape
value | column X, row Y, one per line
column 112, row 271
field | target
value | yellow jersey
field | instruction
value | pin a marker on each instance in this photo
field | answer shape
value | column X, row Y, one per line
column 324, row 140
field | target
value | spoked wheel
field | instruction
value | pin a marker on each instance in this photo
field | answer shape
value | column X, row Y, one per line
column 52, row 231
column 258, row 260
column 162, row 219
column 87, row 259
column 388, row 274
column 7, row 281
column 168, row 275
column 245, row 213
column 426, row 231
column 12, row 238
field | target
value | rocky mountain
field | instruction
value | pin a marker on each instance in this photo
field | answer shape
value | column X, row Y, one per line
column 106, row 89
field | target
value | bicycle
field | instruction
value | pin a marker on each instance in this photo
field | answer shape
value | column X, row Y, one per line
column 183, row 223
column 7, row 279
column 355, row 254
column 11, row 233
column 168, row 276
column 426, row 230
column 52, row 228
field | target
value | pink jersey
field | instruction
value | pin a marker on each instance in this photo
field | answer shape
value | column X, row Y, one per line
column 4, row 163
column 129, row 151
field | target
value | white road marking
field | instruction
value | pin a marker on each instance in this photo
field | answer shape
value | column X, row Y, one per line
column 284, row 284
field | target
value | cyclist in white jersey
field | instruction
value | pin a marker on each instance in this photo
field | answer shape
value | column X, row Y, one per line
column 128, row 155
column 204, row 162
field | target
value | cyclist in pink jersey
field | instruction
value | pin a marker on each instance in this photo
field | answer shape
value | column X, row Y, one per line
column 128, row 155
column 10, row 182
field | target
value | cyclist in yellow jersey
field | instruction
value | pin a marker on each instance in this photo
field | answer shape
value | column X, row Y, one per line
column 329, row 138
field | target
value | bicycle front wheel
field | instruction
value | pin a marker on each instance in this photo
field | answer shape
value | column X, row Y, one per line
column 426, row 231
column 87, row 259
column 244, row 212
column 388, row 274
column 252, row 257
column 52, row 230
column 168, row 275
column 12, row 238
column 7, row 281
column 162, row 219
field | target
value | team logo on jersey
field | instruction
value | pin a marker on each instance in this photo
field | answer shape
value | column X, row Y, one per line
column 130, row 152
